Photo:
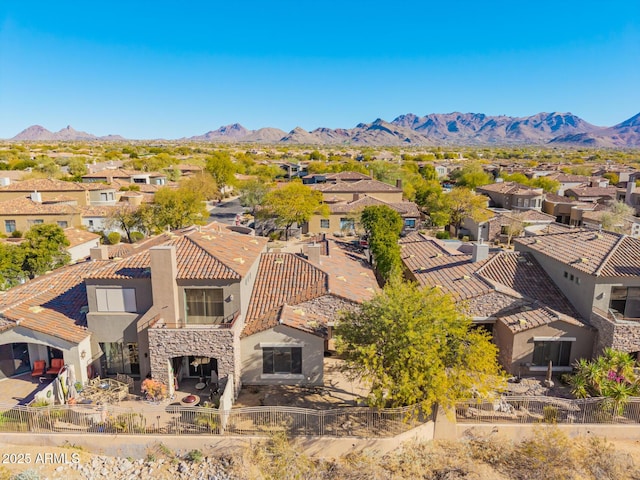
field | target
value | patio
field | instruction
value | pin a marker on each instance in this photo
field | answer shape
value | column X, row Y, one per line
column 338, row 391
column 21, row 389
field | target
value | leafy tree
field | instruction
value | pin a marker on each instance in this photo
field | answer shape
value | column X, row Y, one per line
column 266, row 173
column 11, row 259
column 514, row 225
column 415, row 347
column 221, row 168
column 126, row 218
column 613, row 177
column 44, row 249
column 428, row 172
column 316, row 155
column 203, row 183
column 293, row 203
column 472, row 175
column 77, row 167
column 461, row 203
column 252, row 193
column 178, row 208
column 383, row 225
column 547, row 184
column 611, row 375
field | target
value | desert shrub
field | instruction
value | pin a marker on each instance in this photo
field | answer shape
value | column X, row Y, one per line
column 195, row 456
column 114, row 238
column 136, row 236
column 549, row 414
column 26, row 475
column 443, row 235
column 16, row 234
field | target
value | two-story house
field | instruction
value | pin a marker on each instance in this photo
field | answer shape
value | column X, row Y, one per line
column 513, row 196
column 599, row 272
column 510, row 295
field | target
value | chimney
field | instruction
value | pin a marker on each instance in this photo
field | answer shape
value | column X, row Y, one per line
column 356, row 197
column 36, row 196
column 313, row 253
column 99, row 253
column 480, row 252
column 164, row 288
column 631, row 188
column 399, row 183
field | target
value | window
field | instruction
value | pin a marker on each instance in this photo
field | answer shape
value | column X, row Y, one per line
column 281, row 360
column 116, row 299
column 63, row 223
column 626, row 301
column 324, row 223
column 120, row 358
column 556, row 351
column 410, row 223
column 204, row 305
column 10, row 226
column 347, row 224
column 35, row 222
column 90, row 223
column 104, row 197
column 566, row 274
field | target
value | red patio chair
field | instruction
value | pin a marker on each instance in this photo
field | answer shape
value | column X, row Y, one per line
column 38, row 368
column 56, row 366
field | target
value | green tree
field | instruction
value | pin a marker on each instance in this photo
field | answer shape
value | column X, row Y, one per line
column 203, row 183
column 461, row 203
column 77, row 167
column 221, row 168
column 11, row 259
column 126, row 218
column 547, row 184
column 178, row 208
column 293, row 203
column 472, row 175
column 383, row 226
column 613, row 177
column 252, row 193
column 44, row 249
column 414, row 346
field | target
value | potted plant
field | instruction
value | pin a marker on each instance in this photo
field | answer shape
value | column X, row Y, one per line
column 154, row 390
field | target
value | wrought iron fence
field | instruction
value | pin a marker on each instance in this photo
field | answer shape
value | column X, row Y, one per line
column 179, row 420
column 520, row 409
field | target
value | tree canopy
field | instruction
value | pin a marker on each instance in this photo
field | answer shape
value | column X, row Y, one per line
column 44, row 249
column 293, row 203
column 461, row 203
column 472, row 175
column 221, row 168
column 383, row 225
column 252, row 193
column 414, row 346
column 178, row 208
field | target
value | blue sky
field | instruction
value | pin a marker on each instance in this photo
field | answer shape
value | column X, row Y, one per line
column 149, row 69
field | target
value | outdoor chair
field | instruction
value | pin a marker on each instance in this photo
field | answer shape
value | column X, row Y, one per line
column 38, row 368
column 56, row 366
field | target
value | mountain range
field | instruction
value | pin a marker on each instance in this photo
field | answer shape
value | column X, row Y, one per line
column 430, row 130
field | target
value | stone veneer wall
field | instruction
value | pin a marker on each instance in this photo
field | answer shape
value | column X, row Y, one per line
column 328, row 306
column 623, row 336
column 221, row 344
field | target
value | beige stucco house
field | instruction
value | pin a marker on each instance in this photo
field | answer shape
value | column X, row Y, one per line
column 510, row 294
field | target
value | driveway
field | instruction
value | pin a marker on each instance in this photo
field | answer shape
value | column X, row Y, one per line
column 225, row 211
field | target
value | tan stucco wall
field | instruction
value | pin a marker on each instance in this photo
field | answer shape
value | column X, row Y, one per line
column 22, row 220
column 516, row 350
column 312, row 356
column 334, row 223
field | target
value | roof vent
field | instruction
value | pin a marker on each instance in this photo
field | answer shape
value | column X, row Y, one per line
column 465, row 277
column 584, row 260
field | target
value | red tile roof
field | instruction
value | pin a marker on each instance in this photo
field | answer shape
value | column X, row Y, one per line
column 282, row 278
column 405, row 209
column 77, row 236
column 301, row 319
column 209, row 254
column 596, row 253
column 491, row 288
column 361, row 186
column 51, row 185
column 26, row 206
column 50, row 304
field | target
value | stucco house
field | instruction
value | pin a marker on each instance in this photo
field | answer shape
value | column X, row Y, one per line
column 83, row 194
column 599, row 272
column 511, row 295
column 186, row 304
column 513, row 196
